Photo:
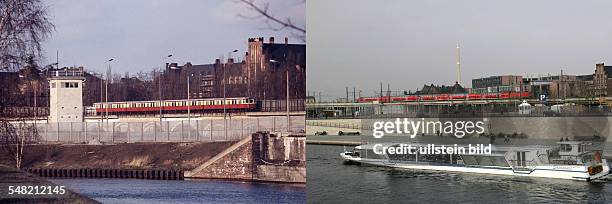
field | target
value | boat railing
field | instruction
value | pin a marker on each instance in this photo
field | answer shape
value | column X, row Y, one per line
column 519, row 164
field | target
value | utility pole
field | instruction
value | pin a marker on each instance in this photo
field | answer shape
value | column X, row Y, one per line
column 108, row 73
column 288, row 115
column 347, row 95
column 161, row 114
column 159, row 94
column 224, row 102
column 101, row 97
column 381, row 89
column 389, row 91
column 224, row 96
column 188, row 106
column 35, row 105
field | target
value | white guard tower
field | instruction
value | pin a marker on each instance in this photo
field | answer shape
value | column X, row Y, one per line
column 66, row 95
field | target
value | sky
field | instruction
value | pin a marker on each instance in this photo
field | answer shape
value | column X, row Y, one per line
column 137, row 34
column 361, row 43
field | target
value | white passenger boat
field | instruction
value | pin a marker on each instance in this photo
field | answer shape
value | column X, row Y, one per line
column 566, row 160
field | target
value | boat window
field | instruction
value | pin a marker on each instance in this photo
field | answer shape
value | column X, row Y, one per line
column 370, row 154
column 566, row 147
column 402, row 157
column 439, row 158
column 499, row 161
column 483, row 160
column 469, row 160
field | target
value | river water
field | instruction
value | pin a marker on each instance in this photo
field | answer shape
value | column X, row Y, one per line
column 187, row 191
column 331, row 181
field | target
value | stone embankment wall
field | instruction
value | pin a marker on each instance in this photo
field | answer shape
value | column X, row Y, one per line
column 272, row 157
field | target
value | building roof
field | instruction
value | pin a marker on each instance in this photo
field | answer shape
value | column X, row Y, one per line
column 279, row 51
column 608, row 70
column 588, row 77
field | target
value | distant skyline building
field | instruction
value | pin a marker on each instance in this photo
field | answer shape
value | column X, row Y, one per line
column 602, row 80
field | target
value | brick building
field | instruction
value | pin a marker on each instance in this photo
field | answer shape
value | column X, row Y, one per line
column 267, row 65
column 602, row 80
column 262, row 75
column 495, row 84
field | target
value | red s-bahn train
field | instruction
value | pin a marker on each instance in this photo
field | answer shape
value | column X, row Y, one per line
column 445, row 97
column 172, row 106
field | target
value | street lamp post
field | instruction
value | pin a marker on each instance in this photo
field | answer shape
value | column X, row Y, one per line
column 288, row 115
column 159, row 89
column 288, row 97
column 189, row 103
column 108, row 73
column 224, row 96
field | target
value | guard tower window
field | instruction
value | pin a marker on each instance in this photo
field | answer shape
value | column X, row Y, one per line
column 70, row 85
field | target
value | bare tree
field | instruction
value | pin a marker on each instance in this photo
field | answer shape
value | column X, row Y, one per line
column 273, row 22
column 14, row 136
column 24, row 25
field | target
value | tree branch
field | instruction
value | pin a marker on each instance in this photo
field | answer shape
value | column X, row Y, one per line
column 263, row 12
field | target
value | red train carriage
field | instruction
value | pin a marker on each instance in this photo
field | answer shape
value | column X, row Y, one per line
column 195, row 105
column 445, row 97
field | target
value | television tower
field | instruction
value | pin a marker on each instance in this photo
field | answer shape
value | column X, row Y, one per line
column 458, row 64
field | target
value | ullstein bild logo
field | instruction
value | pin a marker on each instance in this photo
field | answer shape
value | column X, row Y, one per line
column 415, row 127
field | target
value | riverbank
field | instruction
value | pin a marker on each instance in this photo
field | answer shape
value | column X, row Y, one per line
column 13, row 177
column 168, row 156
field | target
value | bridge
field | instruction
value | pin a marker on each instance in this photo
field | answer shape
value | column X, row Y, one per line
column 356, row 110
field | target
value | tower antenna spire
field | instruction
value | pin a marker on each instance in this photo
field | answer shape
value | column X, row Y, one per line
column 458, row 64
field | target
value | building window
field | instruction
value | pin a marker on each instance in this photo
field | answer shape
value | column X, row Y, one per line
column 70, row 85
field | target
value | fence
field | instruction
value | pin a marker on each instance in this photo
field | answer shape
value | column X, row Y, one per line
column 166, row 131
column 335, row 123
